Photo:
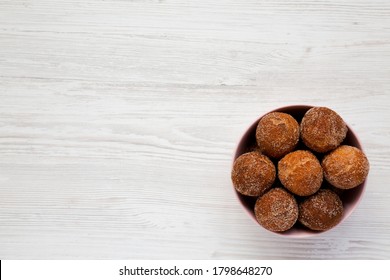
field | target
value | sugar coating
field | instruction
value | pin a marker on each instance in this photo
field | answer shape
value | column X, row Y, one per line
column 277, row 210
column 277, row 134
column 321, row 211
column 253, row 174
column 346, row 167
column 322, row 129
column 300, row 172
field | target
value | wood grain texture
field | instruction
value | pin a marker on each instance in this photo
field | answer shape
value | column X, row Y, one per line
column 119, row 120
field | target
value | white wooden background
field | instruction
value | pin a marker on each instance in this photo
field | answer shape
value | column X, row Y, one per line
column 119, row 120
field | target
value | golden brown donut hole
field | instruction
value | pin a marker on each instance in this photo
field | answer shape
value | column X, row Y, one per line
column 253, row 174
column 277, row 134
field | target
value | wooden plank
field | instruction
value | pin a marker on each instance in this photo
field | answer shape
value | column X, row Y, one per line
column 119, row 120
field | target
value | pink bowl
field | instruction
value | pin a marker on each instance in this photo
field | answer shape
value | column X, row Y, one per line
column 350, row 198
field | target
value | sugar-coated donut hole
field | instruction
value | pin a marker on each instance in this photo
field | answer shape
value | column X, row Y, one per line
column 277, row 134
column 253, row 174
column 276, row 210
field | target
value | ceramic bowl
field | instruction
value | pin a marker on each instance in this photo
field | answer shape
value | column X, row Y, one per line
column 350, row 198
